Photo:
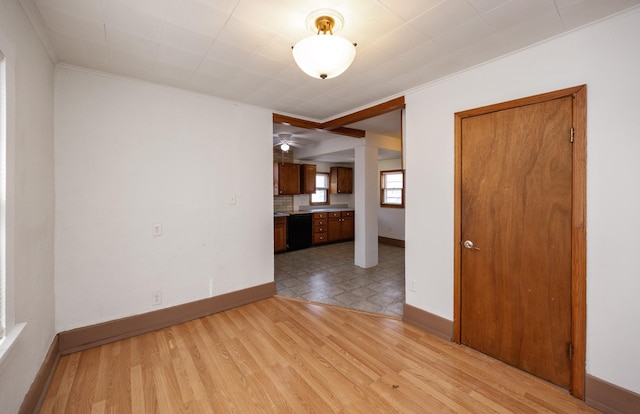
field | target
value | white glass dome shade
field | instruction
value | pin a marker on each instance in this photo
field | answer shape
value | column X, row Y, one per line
column 324, row 55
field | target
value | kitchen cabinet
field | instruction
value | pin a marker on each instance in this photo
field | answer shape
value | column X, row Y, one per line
column 340, row 226
column 307, row 178
column 320, row 228
column 279, row 234
column 286, row 178
column 341, row 180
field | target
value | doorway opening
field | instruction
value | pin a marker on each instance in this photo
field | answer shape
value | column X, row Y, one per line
column 326, row 273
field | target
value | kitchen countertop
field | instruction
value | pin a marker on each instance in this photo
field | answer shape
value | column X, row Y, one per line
column 311, row 211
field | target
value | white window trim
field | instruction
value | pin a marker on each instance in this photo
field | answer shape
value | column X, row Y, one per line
column 13, row 330
column 3, row 199
column 10, row 340
column 382, row 188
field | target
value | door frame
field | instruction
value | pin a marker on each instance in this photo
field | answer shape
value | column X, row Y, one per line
column 578, row 222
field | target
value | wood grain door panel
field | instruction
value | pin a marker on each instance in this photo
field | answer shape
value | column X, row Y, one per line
column 516, row 208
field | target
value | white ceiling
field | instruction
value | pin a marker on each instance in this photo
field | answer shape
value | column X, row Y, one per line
column 241, row 49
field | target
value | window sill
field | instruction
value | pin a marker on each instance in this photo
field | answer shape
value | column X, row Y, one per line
column 9, row 341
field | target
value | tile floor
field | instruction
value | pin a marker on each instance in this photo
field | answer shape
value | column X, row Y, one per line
column 326, row 274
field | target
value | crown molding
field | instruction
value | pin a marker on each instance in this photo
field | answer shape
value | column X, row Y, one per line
column 35, row 18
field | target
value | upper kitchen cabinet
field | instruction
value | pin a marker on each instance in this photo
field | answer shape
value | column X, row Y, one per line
column 307, row 178
column 286, row 178
column 341, row 180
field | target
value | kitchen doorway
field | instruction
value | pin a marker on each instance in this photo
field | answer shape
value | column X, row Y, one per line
column 327, row 273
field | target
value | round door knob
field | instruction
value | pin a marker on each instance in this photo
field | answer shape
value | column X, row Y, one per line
column 468, row 244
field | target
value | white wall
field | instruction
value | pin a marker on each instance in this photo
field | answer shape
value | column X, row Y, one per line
column 30, row 198
column 390, row 220
column 130, row 154
column 604, row 56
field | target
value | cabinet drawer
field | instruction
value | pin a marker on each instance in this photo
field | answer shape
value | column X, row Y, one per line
column 319, row 229
column 347, row 214
column 319, row 222
column 319, row 215
column 334, row 214
column 319, row 238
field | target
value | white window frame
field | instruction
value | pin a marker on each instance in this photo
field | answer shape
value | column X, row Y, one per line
column 3, row 198
column 319, row 189
column 7, row 141
column 384, row 201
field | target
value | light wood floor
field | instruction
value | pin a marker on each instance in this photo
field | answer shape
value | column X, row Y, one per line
column 281, row 355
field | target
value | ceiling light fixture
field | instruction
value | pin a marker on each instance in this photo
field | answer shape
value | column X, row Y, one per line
column 284, row 138
column 324, row 55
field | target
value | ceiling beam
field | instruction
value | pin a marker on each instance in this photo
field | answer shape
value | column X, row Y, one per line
column 380, row 109
column 296, row 122
column 337, row 126
column 303, row 123
column 350, row 132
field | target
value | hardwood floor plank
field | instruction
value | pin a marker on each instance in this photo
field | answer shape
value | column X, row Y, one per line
column 137, row 390
column 286, row 356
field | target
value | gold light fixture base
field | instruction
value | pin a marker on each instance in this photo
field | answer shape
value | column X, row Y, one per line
column 324, row 20
column 325, row 24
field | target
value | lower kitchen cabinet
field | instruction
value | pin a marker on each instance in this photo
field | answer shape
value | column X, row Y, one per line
column 348, row 226
column 340, row 226
column 335, row 226
column 320, row 228
column 279, row 234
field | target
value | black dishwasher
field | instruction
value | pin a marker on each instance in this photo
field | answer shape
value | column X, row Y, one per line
column 299, row 227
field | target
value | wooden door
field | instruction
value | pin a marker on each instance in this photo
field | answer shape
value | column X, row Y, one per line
column 516, row 218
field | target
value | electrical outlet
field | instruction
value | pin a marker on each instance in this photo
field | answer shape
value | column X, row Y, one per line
column 412, row 285
column 232, row 199
column 156, row 298
column 156, row 229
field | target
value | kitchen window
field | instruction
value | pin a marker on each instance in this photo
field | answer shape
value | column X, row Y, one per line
column 321, row 196
column 392, row 188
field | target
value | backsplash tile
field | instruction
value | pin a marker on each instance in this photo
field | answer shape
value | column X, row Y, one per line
column 283, row 203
